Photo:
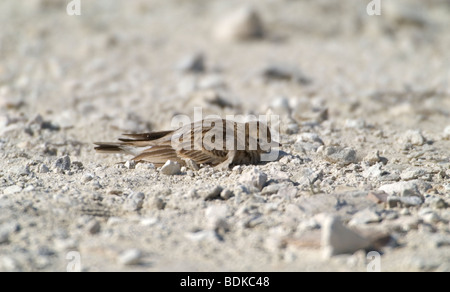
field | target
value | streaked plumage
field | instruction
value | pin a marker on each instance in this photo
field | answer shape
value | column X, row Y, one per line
column 216, row 142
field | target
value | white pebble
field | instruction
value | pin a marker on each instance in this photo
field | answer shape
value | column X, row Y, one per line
column 130, row 257
column 243, row 24
column 171, row 168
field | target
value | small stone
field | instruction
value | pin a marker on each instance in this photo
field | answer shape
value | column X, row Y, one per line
column 241, row 25
column 43, row 168
column 436, row 203
column 93, row 227
column 412, row 173
column 145, row 166
column 429, row 216
column 225, row 194
column 4, row 237
column 403, row 188
column 253, row 221
column 12, row 190
column 413, row 137
column 23, row 171
column 285, row 73
column 29, row 188
column 171, row 168
column 157, row 203
column 393, row 201
column 254, row 178
column 338, row 239
column 292, row 128
column 339, row 155
column 114, row 221
column 63, row 163
column 148, row 221
column 377, row 197
column 193, row 63
column 87, row 177
column 215, row 81
column 134, row 202
column 9, row 264
column 271, row 189
column 130, row 164
column 216, row 218
column 446, row 134
column 211, row 193
column 373, row 171
column 280, row 105
column 374, row 158
column 310, row 137
column 130, row 257
column 66, row 244
column 276, row 240
column 45, row 251
column 364, row 217
column 202, row 235
column 411, row 201
column 355, row 124
column 405, row 212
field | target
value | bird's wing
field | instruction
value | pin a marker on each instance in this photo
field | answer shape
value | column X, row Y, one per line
column 158, row 155
column 145, row 136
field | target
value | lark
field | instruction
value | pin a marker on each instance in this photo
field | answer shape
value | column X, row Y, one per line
column 217, row 142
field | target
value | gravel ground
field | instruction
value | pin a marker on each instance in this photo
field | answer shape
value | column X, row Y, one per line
column 364, row 104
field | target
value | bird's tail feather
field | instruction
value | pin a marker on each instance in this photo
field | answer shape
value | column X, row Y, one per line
column 108, row 147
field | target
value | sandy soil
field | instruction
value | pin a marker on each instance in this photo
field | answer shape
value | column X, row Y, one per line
column 352, row 86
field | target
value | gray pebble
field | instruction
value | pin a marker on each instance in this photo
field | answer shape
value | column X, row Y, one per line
column 211, row 193
column 63, row 163
column 4, row 237
column 134, row 202
column 87, row 177
column 413, row 137
column 413, row 173
column 130, row 164
column 401, row 188
column 192, row 63
column 436, row 202
column 156, row 203
column 429, row 216
column 93, row 227
column 364, row 217
column 254, row 178
column 340, row 155
column 374, row 157
column 271, row 189
column 284, row 72
column 411, row 201
column 43, row 168
column 393, row 201
column 225, row 194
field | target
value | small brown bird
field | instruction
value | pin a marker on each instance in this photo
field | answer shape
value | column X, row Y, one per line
column 216, row 142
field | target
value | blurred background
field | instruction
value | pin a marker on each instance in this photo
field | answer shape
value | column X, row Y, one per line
column 129, row 66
